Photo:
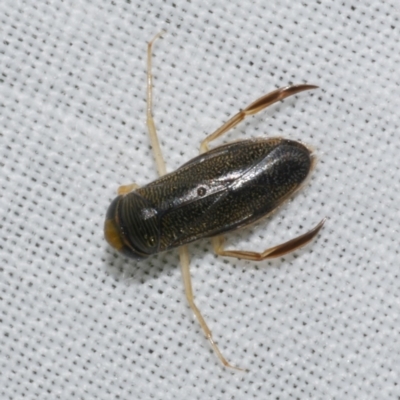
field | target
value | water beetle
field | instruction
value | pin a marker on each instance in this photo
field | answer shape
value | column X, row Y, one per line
column 221, row 190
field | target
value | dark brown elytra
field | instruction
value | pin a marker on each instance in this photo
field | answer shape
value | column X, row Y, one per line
column 217, row 192
column 221, row 190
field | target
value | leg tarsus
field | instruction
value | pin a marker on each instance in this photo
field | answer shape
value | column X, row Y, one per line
column 275, row 96
column 184, row 257
column 276, row 251
column 253, row 108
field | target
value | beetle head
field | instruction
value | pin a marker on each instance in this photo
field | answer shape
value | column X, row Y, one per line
column 131, row 226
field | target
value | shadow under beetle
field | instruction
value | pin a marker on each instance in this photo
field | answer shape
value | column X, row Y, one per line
column 221, row 190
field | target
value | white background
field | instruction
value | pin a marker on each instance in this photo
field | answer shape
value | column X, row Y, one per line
column 79, row 321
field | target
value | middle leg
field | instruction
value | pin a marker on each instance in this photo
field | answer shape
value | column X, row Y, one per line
column 155, row 144
column 184, row 257
column 183, row 251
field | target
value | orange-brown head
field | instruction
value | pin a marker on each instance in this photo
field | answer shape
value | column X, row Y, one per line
column 128, row 227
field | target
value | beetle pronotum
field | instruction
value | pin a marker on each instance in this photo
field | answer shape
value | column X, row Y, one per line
column 221, row 190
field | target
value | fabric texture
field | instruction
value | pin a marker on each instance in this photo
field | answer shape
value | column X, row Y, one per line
column 80, row 321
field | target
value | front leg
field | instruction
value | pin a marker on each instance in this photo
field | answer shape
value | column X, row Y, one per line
column 125, row 189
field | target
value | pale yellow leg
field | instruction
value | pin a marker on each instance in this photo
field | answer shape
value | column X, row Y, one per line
column 124, row 189
column 276, row 251
column 185, row 261
column 150, row 121
column 254, row 108
column 183, row 251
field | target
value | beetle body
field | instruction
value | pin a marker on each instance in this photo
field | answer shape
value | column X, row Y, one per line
column 219, row 191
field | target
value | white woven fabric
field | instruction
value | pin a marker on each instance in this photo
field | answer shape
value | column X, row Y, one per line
column 79, row 321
